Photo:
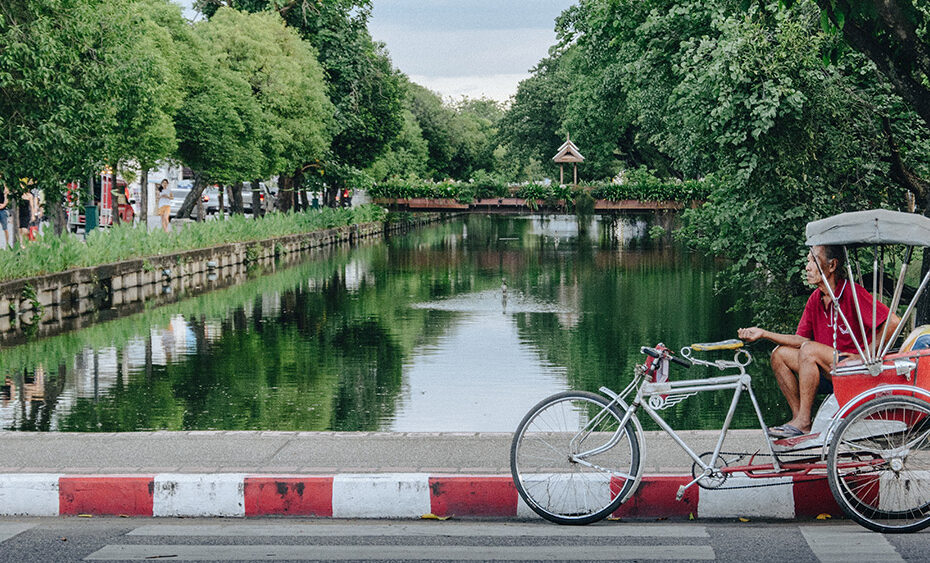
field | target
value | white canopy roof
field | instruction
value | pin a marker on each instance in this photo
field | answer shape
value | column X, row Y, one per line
column 875, row 226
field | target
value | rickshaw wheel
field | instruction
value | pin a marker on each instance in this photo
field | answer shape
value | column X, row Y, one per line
column 879, row 464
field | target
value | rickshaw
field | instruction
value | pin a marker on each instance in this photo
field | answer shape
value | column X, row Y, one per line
column 577, row 456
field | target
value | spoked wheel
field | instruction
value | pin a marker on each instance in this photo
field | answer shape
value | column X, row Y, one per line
column 879, row 464
column 557, row 464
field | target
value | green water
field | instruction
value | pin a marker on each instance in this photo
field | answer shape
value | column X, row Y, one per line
column 459, row 327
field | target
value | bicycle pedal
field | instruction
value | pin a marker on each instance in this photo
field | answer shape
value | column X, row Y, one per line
column 681, row 493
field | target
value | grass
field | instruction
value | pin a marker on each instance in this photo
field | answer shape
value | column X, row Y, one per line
column 50, row 253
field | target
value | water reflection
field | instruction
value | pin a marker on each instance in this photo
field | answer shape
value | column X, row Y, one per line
column 461, row 327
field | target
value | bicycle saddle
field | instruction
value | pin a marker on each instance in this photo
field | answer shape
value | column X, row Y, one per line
column 731, row 344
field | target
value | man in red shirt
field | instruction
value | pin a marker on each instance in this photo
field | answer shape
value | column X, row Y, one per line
column 802, row 361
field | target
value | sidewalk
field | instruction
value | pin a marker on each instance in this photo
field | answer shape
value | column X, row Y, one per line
column 329, row 474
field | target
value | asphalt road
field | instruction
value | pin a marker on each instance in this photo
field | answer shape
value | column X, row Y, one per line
column 122, row 539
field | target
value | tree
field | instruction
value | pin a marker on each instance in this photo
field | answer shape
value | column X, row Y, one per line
column 57, row 107
column 287, row 83
column 221, row 128
column 149, row 92
column 531, row 130
column 893, row 34
column 153, row 137
column 366, row 90
column 407, row 155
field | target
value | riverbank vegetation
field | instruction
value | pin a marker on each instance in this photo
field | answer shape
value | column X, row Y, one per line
column 52, row 253
column 638, row 184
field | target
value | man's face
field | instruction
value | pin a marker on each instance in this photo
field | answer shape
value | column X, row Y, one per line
column 811, row 271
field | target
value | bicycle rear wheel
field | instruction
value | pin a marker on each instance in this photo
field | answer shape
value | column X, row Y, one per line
column 879, row 464
column 564, row 489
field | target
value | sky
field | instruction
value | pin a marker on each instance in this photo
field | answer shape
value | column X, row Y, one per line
column 468, row 48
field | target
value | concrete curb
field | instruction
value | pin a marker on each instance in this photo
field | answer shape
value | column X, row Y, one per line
column 381, row 495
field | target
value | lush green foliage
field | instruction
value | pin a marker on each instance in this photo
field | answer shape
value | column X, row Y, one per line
column 737, row 100
column 54, row 254
column 638, row 184
column 365, row 89
column 460, row 139
column 54, row 114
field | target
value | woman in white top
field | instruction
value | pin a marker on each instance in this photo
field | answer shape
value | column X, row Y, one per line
column 164, row 205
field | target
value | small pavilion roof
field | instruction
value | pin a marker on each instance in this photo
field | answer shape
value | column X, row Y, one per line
column 568, row 152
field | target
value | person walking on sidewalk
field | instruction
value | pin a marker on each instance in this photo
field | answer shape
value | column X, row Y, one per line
column 26, row 209
column 5, row 214
column 164, row 205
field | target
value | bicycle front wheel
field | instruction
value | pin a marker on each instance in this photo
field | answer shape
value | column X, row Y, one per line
column 879, row 464
column 557, row 461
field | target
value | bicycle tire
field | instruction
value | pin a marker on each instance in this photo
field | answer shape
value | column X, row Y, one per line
column 879, row 464
column 550, row 482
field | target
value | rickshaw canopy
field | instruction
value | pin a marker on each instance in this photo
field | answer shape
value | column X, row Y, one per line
column 874, row 226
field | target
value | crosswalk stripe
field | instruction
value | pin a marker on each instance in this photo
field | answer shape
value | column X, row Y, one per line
column 8, row 530
column 381, row 552
column 848, row 544
column 318, row 529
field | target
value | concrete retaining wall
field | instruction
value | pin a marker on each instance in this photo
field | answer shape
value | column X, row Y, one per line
column 68, row 300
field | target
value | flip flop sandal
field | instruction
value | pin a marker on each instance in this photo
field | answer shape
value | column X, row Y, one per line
column 786, row 431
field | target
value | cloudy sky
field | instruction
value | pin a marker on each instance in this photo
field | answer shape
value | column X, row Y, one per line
column 465, row 47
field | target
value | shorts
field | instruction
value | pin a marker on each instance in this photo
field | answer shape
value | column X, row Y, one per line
column 4, row 219
column 825, row 385
column 163, row 209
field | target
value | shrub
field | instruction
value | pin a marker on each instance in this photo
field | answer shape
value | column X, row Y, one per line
column 52, row 253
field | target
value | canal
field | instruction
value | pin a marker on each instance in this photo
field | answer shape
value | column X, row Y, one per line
column 458, row 327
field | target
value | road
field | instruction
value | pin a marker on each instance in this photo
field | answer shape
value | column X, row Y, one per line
column 128, row 539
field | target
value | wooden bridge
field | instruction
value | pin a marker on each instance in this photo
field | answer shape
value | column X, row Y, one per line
column 515, row 205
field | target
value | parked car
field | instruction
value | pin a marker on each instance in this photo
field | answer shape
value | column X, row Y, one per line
column 266, row 194
column 179, row 194
column 211, row 200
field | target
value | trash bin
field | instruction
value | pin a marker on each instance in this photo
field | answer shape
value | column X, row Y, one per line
column 90, row 218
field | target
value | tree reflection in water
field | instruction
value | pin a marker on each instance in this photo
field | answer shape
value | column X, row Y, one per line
column 345, row 340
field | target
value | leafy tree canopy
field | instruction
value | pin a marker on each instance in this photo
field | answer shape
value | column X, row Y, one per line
column 366, row 90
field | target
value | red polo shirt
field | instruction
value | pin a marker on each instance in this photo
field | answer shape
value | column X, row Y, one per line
column 816, row 322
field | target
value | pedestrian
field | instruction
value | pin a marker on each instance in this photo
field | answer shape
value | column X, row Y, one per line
column 164, row 205
column 26, row 209
column 5, row 214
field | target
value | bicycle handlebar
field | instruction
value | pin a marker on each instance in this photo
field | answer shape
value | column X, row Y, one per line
column 658, row 354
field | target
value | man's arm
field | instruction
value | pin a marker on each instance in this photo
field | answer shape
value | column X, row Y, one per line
column 754, row 333
column 892, row 322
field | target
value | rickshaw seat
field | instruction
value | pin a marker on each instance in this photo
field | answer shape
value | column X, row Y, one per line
column 731, row 344
column 918, row 339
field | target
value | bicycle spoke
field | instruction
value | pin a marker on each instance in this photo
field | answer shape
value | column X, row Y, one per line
column 555, row 481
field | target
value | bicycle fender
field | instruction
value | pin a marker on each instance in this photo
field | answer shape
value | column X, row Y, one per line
column 861, row 398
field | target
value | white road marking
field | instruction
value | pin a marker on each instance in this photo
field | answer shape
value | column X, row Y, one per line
column 848, row 544
column 381, row 552
column 424, row 529
column 8, row 530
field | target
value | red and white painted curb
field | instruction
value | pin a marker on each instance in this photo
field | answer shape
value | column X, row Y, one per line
column 381, row 495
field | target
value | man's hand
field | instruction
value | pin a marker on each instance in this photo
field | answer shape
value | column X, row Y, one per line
column 750, row 334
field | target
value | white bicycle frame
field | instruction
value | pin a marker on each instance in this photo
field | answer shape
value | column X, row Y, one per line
column 652, row 397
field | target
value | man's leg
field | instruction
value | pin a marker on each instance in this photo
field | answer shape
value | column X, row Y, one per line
column 814, row 359
column 785, row 362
